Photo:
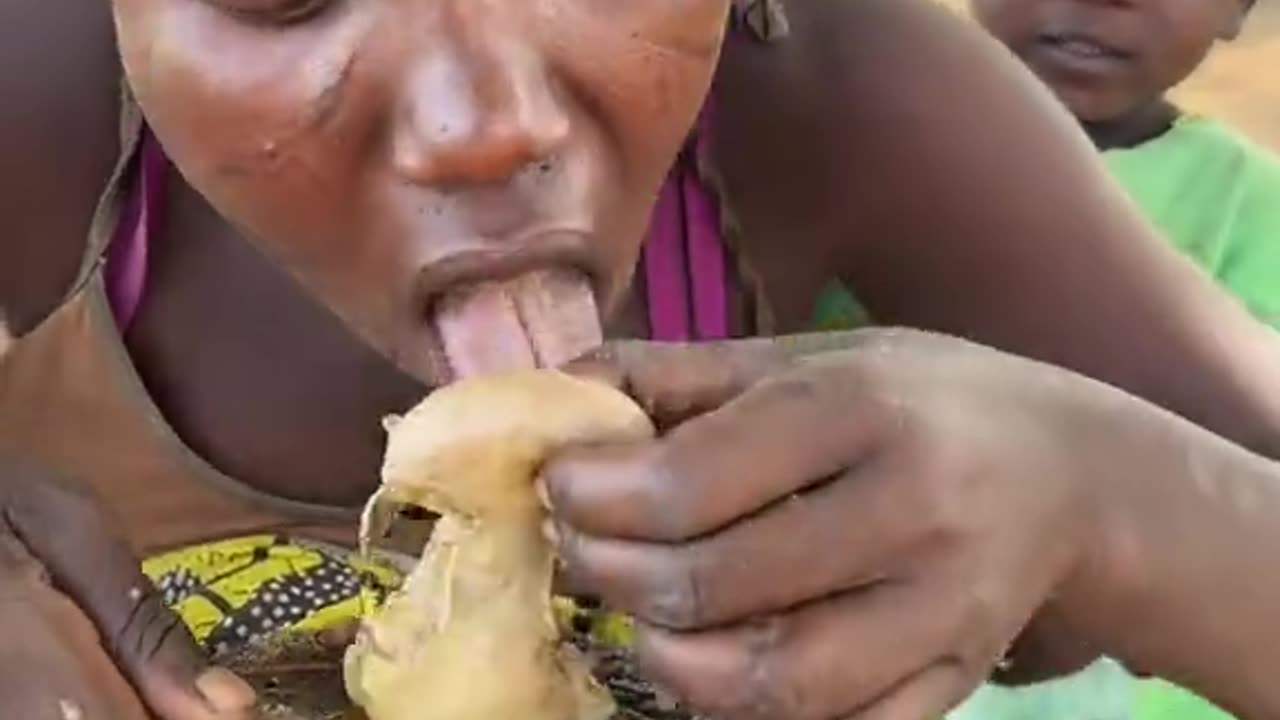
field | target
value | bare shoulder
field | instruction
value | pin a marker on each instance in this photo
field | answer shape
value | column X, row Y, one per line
column 909, row 144
column 58, row 141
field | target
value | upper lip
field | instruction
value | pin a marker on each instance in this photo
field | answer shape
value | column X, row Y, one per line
column 486, row 262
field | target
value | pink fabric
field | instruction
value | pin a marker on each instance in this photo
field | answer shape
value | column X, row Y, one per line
column 685, row 264
column 126, row 261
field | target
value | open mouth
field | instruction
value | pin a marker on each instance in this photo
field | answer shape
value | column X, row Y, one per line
column 1077, row 51
column 510, row 306
column 540, row 318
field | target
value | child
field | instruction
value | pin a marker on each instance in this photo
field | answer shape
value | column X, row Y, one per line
column 1213, row 192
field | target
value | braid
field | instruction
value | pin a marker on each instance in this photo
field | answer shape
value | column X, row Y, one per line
column 766, row 22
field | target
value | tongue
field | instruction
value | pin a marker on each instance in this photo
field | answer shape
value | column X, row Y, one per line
column 540, row 319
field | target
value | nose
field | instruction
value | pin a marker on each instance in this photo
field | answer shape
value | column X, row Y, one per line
column 477, row 107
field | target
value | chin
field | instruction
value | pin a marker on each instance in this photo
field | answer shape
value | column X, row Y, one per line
column 1087, row 107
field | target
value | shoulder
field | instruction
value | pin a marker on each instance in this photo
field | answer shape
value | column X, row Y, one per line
column 888, row 84
column 1198, row 158
column 59, row 90
column 1208, row 139
column 1229, row 160
column 1259, row 165
column 1241, row 178
column 868, row 101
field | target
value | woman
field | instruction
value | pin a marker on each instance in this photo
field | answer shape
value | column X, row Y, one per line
column 466, row 186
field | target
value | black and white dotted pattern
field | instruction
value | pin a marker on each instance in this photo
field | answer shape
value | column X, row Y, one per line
column 176, row 586
column 285, row 601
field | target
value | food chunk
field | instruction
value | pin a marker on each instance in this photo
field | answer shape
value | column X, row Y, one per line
column 472, row 635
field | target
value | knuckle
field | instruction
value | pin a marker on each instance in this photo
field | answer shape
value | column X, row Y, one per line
column 766, row 690
column 661, row 495
column 676, row 595
column 801, row 386
column 146, row 628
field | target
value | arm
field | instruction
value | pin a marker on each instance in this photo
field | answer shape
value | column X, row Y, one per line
column 59, row 95
column 1184, row 582
column 968, row 203
column 979, row 490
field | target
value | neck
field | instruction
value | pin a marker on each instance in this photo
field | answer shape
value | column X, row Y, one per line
column 1145, row 123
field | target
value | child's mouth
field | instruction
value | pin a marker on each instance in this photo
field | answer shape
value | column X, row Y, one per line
column 1080, row 51
column 540, row 318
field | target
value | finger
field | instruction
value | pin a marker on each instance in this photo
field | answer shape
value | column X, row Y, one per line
column 854, row 523
column 819, row 661
column 926, row 696
column 61, row 524
column 52, row 665
column 675, row 381
column 776, row 439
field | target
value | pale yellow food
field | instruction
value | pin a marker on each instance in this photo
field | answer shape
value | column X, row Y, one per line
column 472, row 635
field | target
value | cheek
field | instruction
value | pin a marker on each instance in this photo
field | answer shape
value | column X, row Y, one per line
column 203, row 77
column 252, row 118
column 1183, row 50
column 643, row 69
column 646, row 67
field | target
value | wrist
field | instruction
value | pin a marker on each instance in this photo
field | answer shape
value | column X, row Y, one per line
column 1123, row 455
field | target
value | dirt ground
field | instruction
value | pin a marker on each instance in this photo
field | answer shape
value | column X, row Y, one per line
column 1241, row 81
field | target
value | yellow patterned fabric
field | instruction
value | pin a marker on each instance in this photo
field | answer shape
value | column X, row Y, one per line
column 232, row 591
column 254, row 588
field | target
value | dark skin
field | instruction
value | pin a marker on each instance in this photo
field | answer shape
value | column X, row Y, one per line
column 886, row 107
column 1111, row 63
column 951, row 481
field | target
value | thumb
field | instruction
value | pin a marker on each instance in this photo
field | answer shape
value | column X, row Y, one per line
column 62, row 525
column 676, row 381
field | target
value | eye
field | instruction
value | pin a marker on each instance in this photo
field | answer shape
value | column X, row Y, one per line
column 273, row 12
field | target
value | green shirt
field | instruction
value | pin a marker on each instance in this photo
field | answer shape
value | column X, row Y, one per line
column 1216, row 196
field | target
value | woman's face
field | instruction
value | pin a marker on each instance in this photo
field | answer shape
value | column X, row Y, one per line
column 396, row 154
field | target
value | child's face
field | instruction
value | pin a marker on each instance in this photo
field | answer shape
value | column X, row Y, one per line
column 385, row 151
column 1108, row 58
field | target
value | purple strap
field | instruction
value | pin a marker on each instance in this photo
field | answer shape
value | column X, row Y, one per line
column 684, row 259
column 126, row 263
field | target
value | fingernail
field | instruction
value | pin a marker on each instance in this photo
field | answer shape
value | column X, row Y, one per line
column 225, row 691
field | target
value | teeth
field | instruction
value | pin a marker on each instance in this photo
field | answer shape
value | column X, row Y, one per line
column 1080, row 47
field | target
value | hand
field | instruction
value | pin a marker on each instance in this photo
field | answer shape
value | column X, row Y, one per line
column 856, row 534
column 84, row 634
